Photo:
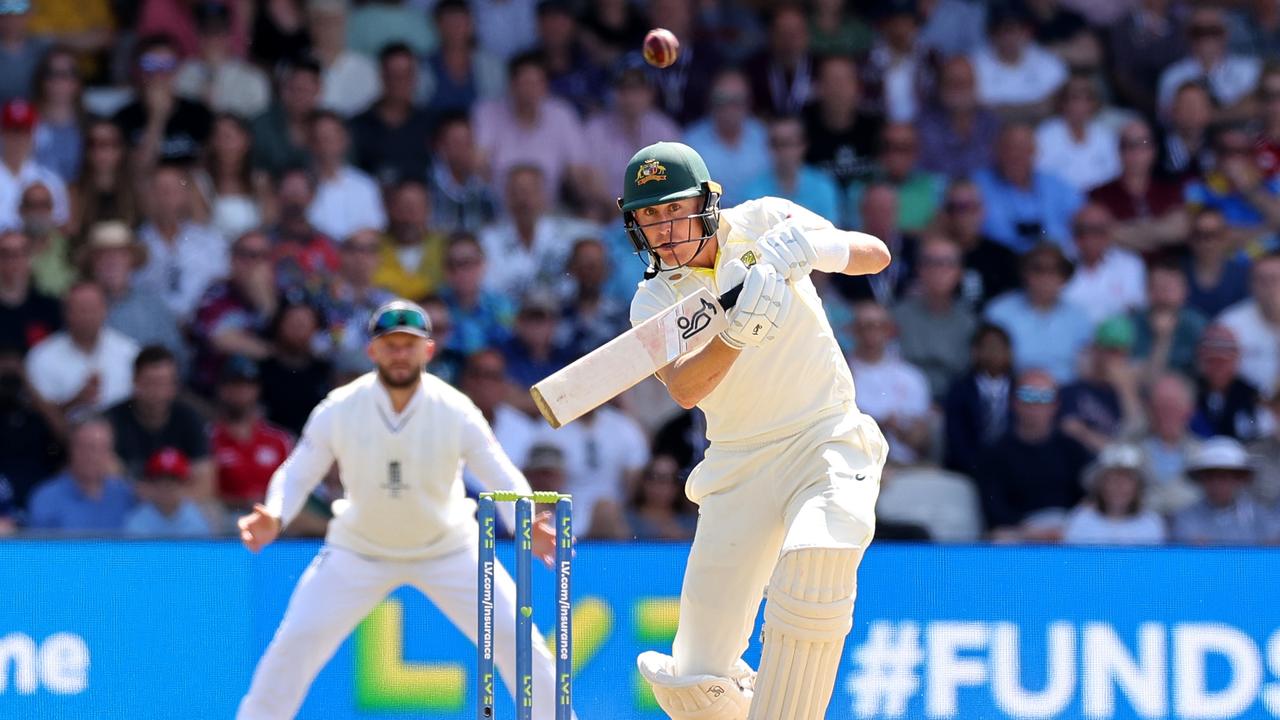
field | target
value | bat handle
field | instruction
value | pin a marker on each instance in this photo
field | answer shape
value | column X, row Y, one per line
column 730, row 298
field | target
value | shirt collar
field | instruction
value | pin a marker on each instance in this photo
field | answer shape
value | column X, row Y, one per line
column 383, row 399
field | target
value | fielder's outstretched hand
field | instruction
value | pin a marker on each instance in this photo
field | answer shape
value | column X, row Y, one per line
column 259, row 528
column 544, row 539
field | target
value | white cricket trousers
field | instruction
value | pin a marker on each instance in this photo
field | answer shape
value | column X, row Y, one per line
column 814, row 489
column 340, row 588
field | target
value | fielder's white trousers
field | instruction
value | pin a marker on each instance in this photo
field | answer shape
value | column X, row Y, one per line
column 815, row 489
column 340, row 588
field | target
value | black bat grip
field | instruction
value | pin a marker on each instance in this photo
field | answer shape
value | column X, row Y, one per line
column 730, row 298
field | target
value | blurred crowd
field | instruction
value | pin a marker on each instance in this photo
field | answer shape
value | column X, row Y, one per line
column 1078, row 339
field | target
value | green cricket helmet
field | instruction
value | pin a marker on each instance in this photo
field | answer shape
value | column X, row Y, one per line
column 661, row 173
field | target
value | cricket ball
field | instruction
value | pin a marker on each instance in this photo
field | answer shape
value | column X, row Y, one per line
column 661, row 48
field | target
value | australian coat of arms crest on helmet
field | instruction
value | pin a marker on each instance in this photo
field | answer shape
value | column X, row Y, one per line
column 650, row 171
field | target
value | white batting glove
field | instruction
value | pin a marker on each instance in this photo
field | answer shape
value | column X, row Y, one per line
column 787, row 249
column 762, row 307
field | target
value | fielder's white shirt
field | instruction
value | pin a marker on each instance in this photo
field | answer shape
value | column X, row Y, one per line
column 402, row 473
column 779, row 388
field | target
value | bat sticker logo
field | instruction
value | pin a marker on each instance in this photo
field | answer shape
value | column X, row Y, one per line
column 698, row 321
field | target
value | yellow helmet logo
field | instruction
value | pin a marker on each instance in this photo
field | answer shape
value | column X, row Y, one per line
column 650, row 171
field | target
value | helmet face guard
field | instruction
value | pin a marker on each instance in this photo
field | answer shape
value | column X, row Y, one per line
column 705, row 222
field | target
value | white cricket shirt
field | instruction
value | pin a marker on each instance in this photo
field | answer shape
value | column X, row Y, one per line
column 402, row 473
column 779, row 388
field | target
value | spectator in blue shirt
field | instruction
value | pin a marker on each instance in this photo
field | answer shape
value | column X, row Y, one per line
column 1024, row 206
column 87, row 496
column 533, row 352
column 734, row 144
column 591, row 317
column 481, row 318
column 790, row 177
column 166, row 511
column 1047, row 331
column 1217, row 273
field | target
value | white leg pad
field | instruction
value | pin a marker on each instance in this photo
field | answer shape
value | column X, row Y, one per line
column 806, row 618
column 697, row 697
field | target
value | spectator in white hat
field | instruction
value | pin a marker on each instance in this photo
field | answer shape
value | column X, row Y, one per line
column 1113, row 512
column 1228, row 514
column 109, row 258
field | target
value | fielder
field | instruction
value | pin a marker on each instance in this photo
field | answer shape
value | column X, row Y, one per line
column 400, row 438
column 788, row 486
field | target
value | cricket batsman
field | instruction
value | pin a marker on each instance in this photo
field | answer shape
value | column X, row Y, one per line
column 400, row 438
column 787, row 489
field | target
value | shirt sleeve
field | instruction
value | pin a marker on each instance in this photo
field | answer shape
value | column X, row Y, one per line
column 305, row 467
column 778, row 210
column 489, row 463
column 651, row 298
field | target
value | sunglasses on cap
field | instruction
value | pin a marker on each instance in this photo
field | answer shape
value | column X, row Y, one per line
column 1036, row 395
column 400, row 319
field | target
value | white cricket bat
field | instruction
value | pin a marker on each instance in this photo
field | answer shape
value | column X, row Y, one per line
column 597, row 377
